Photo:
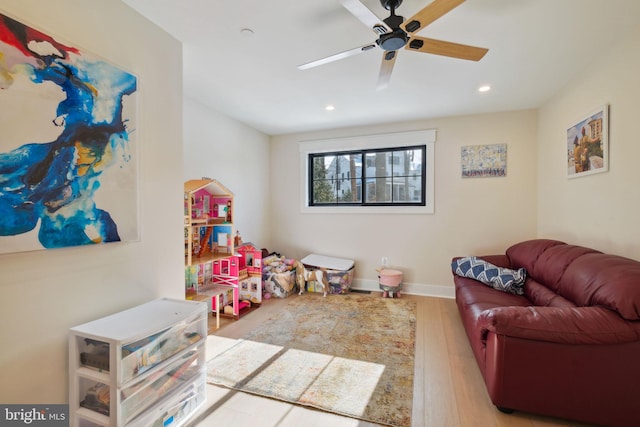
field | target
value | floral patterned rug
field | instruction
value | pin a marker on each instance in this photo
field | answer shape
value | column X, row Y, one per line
column 348, row 354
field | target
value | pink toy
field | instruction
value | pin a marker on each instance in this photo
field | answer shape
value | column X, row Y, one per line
column 390, row 282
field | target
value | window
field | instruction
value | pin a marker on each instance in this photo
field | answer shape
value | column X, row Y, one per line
column 392, row 176
column 387, row 173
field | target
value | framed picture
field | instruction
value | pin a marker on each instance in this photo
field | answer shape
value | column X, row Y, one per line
column 480, row 161
column 68, row 149
column 588, row 144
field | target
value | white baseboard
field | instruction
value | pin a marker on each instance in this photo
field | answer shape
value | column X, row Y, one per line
column 439, row 291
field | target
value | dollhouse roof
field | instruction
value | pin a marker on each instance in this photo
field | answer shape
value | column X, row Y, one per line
column 212, row 186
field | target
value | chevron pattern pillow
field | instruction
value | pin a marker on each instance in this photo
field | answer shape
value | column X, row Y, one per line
column 502, row 279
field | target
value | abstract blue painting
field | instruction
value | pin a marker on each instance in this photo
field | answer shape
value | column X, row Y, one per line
column 68, row 163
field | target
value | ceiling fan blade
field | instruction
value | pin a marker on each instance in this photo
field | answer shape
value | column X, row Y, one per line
column 429, row 13
column 439, row 47
column 388, row 60
column 337, row 56
column 366, row 16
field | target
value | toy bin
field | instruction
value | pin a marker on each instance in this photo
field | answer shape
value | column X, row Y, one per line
column 278, row 276
column 339, row 273
column 390, row 282
column 279, row 285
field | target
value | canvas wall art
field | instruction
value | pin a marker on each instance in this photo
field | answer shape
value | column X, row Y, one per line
column 484, row 160
column 588, row 144
column 68, row 162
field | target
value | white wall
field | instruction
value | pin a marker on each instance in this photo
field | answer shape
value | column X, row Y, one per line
column 600, row 210
column 235, row 154
column 44, row 293
column 472, row 216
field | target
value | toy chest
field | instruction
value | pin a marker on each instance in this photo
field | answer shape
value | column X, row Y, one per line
column 339, row 272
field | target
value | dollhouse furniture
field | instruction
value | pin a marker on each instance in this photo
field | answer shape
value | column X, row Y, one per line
column 214, row 295
column 243, row 281
column 564, row 340
column 144, row 366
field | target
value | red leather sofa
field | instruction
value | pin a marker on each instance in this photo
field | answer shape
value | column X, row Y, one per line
column 570, row 346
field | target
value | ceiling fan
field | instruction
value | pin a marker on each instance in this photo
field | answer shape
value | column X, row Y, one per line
column 394, row 33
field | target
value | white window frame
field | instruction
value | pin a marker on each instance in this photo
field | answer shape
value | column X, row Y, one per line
column 390, row 140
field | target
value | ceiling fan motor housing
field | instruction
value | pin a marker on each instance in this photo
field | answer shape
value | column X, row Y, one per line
column 393, row 40
column 390, row 4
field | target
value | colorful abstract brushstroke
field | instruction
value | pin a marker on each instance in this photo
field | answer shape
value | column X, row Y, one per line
column 66, row 156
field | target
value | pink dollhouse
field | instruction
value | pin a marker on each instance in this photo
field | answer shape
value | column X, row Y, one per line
column 211, row 258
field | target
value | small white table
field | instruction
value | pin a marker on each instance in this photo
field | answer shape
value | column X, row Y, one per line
column 216, row 292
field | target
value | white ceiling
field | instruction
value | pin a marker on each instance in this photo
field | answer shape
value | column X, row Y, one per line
column 535, row 48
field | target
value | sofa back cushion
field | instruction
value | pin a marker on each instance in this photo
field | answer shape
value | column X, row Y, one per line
column 552, row 264
column 578, row 275
column 545, row 260
column 606, row 280
column 525, row 254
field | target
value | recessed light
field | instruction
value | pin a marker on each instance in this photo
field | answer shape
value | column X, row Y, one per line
column 247, row 32
column 329, row 108
column 484, row 88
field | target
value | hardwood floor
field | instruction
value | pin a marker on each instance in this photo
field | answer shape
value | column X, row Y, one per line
column 448, row 387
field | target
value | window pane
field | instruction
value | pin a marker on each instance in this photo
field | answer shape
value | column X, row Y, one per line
column 379, row 164
column 382, row 191
column 416, row 193
column 348, row 166
column 331, row 164
column 350, row 191
column 324, row 192
column 319, row 168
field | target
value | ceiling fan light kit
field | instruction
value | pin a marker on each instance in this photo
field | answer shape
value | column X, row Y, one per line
column 394, row 34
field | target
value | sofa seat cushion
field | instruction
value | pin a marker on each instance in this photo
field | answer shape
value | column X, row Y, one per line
column 542, row 296
column 472, row 292
column 499, row 278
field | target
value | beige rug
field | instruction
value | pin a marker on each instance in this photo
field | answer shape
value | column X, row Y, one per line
column 348, row 354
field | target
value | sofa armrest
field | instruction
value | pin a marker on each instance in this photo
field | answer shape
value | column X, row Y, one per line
column 579, row 325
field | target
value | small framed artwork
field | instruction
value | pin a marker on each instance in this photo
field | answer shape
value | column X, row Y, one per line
column 480, row 161
column 588, row 144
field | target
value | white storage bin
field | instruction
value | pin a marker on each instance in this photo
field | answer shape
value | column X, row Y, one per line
column 339, row 272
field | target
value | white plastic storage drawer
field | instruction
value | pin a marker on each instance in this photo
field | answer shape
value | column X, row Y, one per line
column 140, row 395
column 142, row 355
column 177, row 409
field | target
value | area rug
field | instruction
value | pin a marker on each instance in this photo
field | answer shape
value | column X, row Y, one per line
column 351, row 355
